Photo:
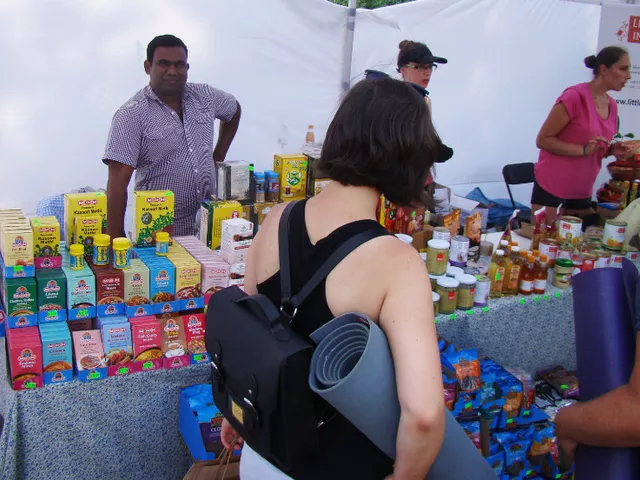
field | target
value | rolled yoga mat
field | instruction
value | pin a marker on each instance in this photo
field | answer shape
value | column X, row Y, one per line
column 352, row 370
column 605, row 346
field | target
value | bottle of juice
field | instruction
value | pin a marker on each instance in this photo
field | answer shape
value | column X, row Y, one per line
column 496, row 274
column 540, row 275
column 526, row 276
column 512, row 275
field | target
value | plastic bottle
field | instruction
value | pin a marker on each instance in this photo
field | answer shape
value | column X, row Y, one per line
column 310, row 138
column 512, row 275
column 496, row 274
column 540, row 275
column 162, row 243
column 526, row 276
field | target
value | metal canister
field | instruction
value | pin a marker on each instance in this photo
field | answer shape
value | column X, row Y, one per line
column 632, row 254
column 549, row 247
column 562, row 273
column 564, row 252
column 616, row 258
column 483, row 288
column 569, row 225
column 603, row 259
column 459, row 250
column 441, row 233
column 437, row 256
column 614, row 232
column 588, row 261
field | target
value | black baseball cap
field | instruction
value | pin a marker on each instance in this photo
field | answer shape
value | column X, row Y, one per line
column 420, row 54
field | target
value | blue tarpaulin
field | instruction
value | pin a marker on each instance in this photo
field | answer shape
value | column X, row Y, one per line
column 500, row 209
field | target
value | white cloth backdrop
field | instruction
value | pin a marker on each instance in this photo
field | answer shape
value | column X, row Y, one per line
column 68, row 65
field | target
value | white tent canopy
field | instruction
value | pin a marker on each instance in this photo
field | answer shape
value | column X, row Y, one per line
column 70, row 65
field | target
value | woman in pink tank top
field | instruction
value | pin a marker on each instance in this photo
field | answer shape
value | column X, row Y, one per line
column 577, row 135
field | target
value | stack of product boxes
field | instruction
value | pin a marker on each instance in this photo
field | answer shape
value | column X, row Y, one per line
column 237, row 236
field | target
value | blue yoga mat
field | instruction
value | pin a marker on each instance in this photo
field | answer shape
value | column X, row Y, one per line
column 352, row 369
column 603, row 304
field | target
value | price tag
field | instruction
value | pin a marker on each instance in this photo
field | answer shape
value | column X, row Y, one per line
column 147, row 365
column 523, row 301
column 82, row 313
column 18, row 268
column 94, row 375
column 52, row 314
column 485, row 309
column 123, row 370
column 558, row 475
column 529, row 472
column 30, row 385
column 557, row 294
column 546, row 297
column 468, row 405
column 435, row 320
column 251, row 167
column 509, row 421
column 526, row 413
column 469, row 312
column 197, row 357
column 452, row 316
column 563, row 387
column 536, row 299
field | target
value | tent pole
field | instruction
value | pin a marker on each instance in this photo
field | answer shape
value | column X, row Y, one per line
column 348, row 46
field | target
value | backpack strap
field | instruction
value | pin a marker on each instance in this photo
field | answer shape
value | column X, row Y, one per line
column 292, row 302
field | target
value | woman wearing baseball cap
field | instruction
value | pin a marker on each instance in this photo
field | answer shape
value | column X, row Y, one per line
column 416, row 64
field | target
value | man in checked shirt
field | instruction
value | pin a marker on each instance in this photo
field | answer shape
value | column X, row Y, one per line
column 165, row 133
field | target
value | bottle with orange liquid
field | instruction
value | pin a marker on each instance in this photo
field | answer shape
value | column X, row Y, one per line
column 496, row 274
column 512, row 275
column 526, row 276
column 540, row 275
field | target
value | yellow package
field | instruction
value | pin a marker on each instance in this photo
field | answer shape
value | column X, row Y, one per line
column 153, row 211
column 212, row 213
column 76, row 204
column 292, row 170
column 46, row 238
column 16, row 246
column 85, row 228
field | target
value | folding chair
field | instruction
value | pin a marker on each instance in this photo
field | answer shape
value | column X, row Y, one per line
column 518, row 174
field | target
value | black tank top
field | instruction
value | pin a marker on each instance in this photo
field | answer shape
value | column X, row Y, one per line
column 344, row 452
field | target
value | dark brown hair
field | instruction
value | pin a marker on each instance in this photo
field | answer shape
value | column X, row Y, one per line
column 381, row 137
column 608, row 56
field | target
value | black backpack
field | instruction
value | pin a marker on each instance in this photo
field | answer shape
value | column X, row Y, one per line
column 260, row 366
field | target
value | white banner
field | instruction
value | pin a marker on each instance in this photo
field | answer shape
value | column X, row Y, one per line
column 620, row 25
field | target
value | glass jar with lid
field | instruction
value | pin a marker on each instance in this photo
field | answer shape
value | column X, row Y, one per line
column 437, row 256
column 466, row 291
column 436, row 303
column 447, row 288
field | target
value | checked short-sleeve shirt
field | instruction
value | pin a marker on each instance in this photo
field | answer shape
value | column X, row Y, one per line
column 170, row 154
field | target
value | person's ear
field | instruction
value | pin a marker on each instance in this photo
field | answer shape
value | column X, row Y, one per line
column 147, row 67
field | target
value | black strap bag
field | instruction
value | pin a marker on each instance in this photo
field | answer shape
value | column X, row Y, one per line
column 260, row 366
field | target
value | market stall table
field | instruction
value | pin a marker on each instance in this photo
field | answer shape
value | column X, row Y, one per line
column 118, row 428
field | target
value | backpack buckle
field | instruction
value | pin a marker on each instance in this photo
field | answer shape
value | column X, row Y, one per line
column 286, row 313
column 216, row 373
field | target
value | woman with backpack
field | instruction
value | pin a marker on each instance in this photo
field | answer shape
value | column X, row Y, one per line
column 381, row 141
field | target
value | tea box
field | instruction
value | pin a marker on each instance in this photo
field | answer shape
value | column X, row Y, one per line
column 174, row 343
column 237, row 236
column 234, row 180
column 215, row 272
column 212, row 213
column 188, row 276
column 236, row 274
column 85, row 228
column 89, row 354
column 46, row 242
column 52, row 294
column 153, row 211
column 57, row 354
column 24, row 350
column 292, row 170
column 81, row 204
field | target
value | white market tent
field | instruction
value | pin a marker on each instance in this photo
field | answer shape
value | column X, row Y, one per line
column 68, row 65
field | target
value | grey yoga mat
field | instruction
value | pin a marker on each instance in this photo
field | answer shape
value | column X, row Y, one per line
column 352, row 370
